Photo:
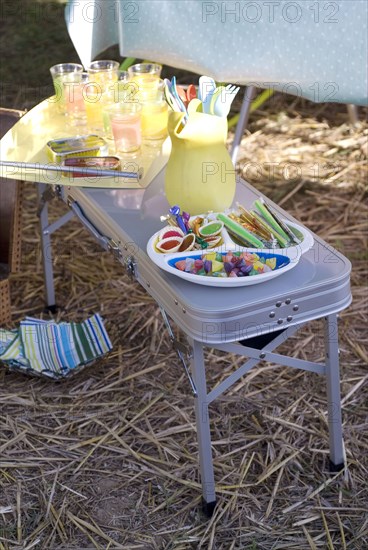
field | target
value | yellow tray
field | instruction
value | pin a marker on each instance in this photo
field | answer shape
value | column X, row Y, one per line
column 26, row 140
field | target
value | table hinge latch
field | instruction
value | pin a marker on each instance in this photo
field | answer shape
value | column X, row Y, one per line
column 47, row 196
column 182, row 351
column 58, row 190
column 113, row 247
column 131, row 267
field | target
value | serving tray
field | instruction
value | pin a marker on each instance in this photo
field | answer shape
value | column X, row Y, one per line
column 25, row 143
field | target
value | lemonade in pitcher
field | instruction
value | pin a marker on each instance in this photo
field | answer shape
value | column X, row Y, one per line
column 200, row 175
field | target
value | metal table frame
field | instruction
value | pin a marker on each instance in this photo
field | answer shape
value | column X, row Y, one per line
column 256, row 349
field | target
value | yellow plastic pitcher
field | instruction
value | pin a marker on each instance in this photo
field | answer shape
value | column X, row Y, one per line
column 200, row 175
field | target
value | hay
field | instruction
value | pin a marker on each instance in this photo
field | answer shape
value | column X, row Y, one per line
column 108, row 459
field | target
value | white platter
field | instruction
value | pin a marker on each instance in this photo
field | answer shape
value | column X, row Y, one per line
column 292, row 253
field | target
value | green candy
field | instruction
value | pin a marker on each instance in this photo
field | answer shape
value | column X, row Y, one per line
column 239, row 231
column 262, row 208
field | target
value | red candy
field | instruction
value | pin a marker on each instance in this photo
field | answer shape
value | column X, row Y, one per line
column 181, row 265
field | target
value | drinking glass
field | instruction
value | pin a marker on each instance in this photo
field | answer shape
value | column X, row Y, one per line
column 125, row 119
column 105, row 73
column 62, row 73
column 74, row 91
column 119, row 89
column 94, row 98
column 154, row 119
column 146, row 76
column 145, row 70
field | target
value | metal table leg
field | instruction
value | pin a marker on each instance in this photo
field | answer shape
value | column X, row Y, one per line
column 45, row 194
column 337, row 459
column 203, row 429
column 46, row 249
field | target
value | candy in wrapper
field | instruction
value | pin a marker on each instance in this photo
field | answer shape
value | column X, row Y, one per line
column 175, row 211
column 99, row 163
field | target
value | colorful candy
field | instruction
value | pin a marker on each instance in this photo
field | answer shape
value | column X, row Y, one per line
column 211, row 229
column 175, row 211
column 240, row 231
column 246, row 228
column 170, row 231
column 188, row 242
column 169, row 245
column 229, row 264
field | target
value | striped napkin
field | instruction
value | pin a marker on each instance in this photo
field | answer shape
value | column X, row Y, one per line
column 53, row 349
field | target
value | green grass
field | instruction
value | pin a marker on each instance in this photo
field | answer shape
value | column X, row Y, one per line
column 33, row 38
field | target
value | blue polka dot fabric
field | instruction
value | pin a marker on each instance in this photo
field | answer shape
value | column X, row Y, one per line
column 314, row 49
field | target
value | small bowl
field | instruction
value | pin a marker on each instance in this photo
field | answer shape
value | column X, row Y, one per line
column 211, row 229
column 188, row 243
column 170, row 231
column 164, row 246
column 213, row 241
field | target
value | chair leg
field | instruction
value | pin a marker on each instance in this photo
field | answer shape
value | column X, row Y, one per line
column 353, row 113
column 203, row 429
column 337, row 460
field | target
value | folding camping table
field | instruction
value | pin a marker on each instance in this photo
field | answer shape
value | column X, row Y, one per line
column 251, row 321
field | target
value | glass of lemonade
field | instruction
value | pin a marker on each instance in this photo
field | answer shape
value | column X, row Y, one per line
column 61, row 74
column 119, row 92
column 125, row 119
column 119, row 89
column 74, row 101
column 105, row 73
column 154, row 119
column 93, row 98
column 155, row 114
column 147, row 77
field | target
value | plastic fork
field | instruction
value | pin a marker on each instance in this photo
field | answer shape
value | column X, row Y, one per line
column 207, row 87
column 224, row 100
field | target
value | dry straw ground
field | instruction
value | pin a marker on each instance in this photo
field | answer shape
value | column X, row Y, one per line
column 108, row 459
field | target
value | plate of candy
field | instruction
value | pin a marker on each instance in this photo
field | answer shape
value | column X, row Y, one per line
column 260, row 228
column 258, row 236
column 226, row 269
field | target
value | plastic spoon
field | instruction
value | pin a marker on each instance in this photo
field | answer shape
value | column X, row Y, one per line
column 182, row 95
column 191, row 92
column 195, row 105
column 206, row 86
column 170, row 99
column 214, row 97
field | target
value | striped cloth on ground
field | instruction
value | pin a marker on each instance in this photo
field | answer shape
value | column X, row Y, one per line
column 54, row 349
